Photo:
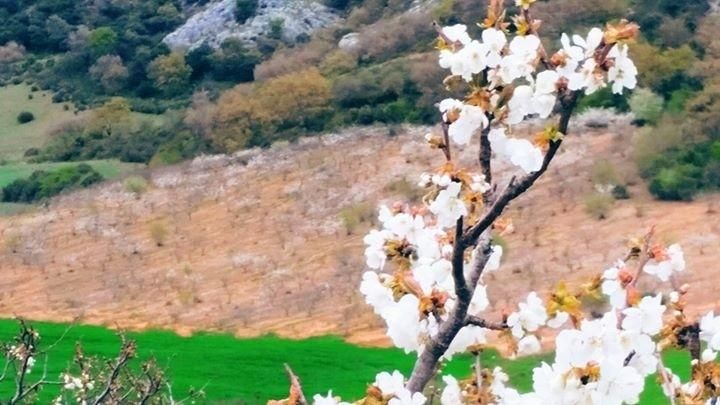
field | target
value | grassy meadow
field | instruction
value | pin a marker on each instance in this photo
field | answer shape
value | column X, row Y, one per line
column 16, row 138
column 250, row 371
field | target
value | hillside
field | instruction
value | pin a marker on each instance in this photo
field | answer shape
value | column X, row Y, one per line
column 256, row 243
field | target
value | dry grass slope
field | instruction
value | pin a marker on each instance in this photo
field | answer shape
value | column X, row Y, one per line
column 259, row 242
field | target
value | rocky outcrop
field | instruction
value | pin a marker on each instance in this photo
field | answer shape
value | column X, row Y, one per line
column 216, row 22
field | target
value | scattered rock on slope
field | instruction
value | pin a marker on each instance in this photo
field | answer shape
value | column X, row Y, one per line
column 217, row 22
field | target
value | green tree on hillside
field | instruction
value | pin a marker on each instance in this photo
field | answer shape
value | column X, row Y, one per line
column 102, row 41
column 170, row 73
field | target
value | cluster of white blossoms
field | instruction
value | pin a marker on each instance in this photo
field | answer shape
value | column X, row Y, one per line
column 18, row 352
column 77, row 386
column 416, row 298
column 667, row 263
column 512, row 65
column 413, row 255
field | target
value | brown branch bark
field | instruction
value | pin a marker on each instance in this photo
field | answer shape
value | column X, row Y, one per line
column 515, row 189
column 478, row 236
column 426, row 364
column 485, row 155
column 127, row 352
column 477, row 321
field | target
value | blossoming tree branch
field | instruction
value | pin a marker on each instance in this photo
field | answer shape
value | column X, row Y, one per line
column 427, row 263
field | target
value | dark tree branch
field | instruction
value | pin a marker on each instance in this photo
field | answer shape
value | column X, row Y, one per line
column 485, row 155
column 458, row 265
column 478, row 236
column 514, row 189
column 426, row 364
column 477, row 321
column 127, row 352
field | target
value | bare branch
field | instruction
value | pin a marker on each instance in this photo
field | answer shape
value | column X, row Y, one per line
column 127, row 352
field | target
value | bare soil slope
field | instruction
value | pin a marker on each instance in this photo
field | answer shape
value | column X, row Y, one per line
column 255, row 243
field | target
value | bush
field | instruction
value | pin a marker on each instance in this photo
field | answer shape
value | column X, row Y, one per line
column 233, row 62
column 245, row 9
column 598, row 205
column 41, row 184
column 136, row 185
column 646, row 106
column 652, row 141
column 25, row 117
column 158, row 232
column 674, row 184
column 603, row 172
column 406, row 189
column 355, row 215
column 276, row 28
column 620, row 193
column 280, row 108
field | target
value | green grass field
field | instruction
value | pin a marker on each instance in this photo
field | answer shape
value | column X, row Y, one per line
column 16, row 138
column 250, row 371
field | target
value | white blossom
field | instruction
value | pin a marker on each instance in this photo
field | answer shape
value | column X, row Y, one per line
column 457, row 33
column 531, row 316
column 588, row 78
column 528, row 345
column 520, row 152
column 675, row 263
column 646, row 317
column 328, row 400
column 623, row 73
column 375, row 251
column 613, row 287
column 451, row 395
column 376, row 294
column 447, row 206
column 495, row 41
column 470, row 119
column 710, row 330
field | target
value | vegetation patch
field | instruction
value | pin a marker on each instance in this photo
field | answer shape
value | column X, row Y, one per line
column 42, row 185
column 228, row 368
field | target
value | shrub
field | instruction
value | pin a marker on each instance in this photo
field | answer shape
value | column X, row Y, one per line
column 170, row 73
column 136, row 185
column 646, row 105
column 25, row 116
column 355, row 215
column 158, row 232
column 598, row 205
column 276, row 28
column 620, row 193
column 650, row 142
column 234, row 62
column 245, row 9
column 405, row 189
column 280, row 108
column 603, row 172
column 674, row 184
column 41, row 184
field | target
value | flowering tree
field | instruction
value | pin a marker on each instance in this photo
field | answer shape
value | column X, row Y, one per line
column 427, row 263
